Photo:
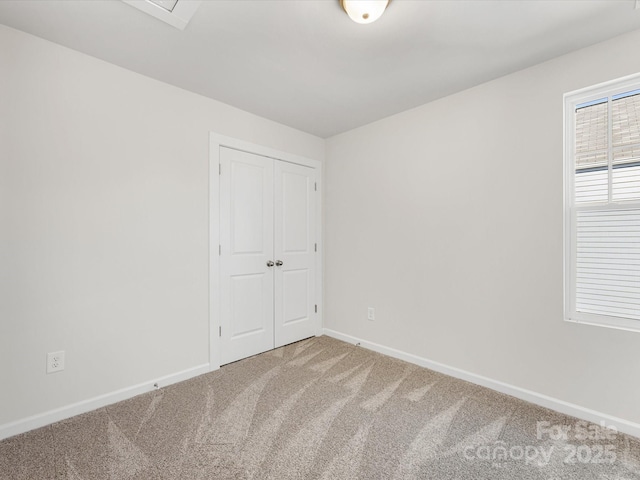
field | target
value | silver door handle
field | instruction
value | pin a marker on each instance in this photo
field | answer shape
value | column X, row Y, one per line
column 279, row 263
column 269, row 263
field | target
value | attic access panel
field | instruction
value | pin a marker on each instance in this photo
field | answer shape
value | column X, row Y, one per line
column 176, row 13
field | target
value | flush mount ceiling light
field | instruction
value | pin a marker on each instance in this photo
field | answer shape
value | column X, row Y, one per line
column 364, row 11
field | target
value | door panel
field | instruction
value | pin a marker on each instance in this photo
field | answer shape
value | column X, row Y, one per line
column 246, row 240
column 294, row 223
column 247, row 203
column 296, row 302
column 247, row 317
column 295, row 210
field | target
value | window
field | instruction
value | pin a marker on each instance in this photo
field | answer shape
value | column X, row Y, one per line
column 602, row 204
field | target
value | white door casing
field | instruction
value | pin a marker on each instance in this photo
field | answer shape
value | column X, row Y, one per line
column 297, row 315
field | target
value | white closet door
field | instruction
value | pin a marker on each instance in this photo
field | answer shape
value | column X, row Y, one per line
column 294, row 252
column 246, row 237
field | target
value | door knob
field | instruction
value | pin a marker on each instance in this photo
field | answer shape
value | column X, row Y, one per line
column 278, row 263
column 269, row 263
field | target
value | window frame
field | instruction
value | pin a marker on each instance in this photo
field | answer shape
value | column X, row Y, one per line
column 571, row 100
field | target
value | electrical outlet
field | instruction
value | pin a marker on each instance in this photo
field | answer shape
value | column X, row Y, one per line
column 55, row 361
column 371, row 313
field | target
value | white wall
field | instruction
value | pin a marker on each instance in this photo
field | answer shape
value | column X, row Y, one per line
column 448, row 220
column 104, row 223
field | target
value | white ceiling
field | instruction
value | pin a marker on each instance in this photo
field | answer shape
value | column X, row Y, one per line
column 305, row 64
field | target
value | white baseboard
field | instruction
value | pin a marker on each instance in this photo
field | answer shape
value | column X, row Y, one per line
column 624, row 426
column 42, row 419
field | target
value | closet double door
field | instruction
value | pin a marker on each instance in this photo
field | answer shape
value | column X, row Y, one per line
column 267, row 250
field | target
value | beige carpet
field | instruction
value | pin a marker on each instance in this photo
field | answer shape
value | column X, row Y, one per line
column 320, row 409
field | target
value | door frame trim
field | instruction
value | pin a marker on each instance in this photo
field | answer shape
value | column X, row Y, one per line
column 215, row 142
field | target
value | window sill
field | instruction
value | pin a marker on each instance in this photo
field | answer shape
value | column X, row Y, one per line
column 617, row 323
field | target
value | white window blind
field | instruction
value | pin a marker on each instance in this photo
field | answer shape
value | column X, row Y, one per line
column 603, row 186
column 608, row 262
